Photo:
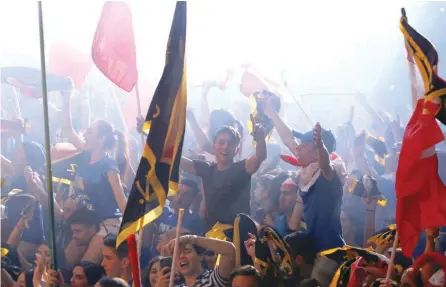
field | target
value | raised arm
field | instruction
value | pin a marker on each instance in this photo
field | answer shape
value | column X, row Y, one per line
column 322, row 154
column 67, row 126
column 253, row 163
column 296, row 217
column 225, row 248
column 118, row 191
column 283, row 130
column 199, row 134
column 188, row 165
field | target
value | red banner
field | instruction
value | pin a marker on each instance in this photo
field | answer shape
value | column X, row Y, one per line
column 113, row 50
column 67, row 61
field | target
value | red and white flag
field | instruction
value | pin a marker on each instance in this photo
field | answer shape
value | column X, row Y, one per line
column 113, row 50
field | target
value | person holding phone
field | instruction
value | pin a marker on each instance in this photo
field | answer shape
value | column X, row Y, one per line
column 163, row 276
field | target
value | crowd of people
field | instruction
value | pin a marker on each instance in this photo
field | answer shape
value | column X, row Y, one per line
column 264, row 205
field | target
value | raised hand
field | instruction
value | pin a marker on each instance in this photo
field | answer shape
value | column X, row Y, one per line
column 139, row 124
column 33, row 179
column 258, row 131
column 250, row 245
column 163, row 277
column 318, row 135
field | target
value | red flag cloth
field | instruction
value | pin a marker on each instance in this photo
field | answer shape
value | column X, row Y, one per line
column 134, row 260
column 113, row 50
column 67, row 61
column 253, row 81
column 421, row 195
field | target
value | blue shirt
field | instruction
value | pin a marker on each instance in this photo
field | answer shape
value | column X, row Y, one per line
column 322, row 211
column 98, row 188
column 281, row 225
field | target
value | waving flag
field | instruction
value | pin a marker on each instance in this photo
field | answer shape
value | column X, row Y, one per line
column 67, row 61
column 29, row 81
column 420, row 192
column 158, row 171
column 113, row 50
column 253, row 81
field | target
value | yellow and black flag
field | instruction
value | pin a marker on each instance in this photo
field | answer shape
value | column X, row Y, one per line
column 158, row 171
column 426, row 59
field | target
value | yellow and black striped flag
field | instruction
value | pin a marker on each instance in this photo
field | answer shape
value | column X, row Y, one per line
column 426, row 59
column 158, row 171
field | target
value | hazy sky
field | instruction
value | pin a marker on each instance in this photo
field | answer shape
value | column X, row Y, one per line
column 337, row 46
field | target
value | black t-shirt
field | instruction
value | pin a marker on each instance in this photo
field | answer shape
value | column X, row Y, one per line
column 226, row 192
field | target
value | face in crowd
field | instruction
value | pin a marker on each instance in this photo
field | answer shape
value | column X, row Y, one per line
column 226, row 145
column 113, row 265
column 288, row 196
column 189, row 261
column 306, row 153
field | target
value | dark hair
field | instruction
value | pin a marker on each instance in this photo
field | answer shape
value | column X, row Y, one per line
column 217, row 119
column 122, row 251
column 231, row 131
column 246, row 270
column 85, row 217
column 146, row 273
column 35, row 156
column 93, row 271
column 192, row 184
column 301, row 244
column 199, row 250
column 276, row 183
column 114, row 138
column 113, row 282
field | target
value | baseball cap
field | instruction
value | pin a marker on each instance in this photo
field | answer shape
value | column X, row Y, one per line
column 327, row 137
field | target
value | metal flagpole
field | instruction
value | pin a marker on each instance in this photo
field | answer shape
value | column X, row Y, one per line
column 49, row 176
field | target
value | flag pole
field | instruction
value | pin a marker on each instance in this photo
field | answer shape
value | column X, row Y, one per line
column 177, row 244
column 49, row 183
column 118, row 108
column 414, row 102
column 412, row 73
column 138, row 105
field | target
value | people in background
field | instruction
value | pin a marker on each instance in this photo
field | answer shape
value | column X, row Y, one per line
column 84, row 225
column 86, row 274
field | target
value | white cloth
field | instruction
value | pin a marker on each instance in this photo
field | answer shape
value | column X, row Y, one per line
column 437, row 279
column 308, row 175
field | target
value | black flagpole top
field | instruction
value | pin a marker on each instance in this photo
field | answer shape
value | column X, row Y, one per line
column 403, row 12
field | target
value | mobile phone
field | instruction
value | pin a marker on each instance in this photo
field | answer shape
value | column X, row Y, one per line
column 166, row 262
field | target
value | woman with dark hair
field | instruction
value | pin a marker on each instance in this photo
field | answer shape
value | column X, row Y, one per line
column 150, row 275
column 86, row 274
column 27, row 162
column 99, row 176
column 227, row 183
